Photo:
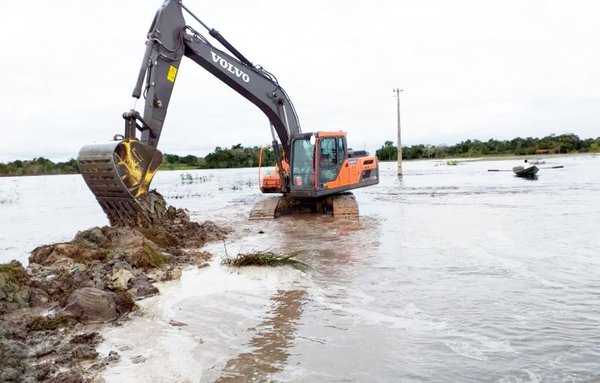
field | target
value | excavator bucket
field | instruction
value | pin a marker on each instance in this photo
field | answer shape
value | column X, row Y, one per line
column 119, row 174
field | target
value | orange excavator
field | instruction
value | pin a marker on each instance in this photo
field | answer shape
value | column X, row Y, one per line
column 314, row 171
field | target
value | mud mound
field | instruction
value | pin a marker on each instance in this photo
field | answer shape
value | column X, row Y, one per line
column 47, row 308
column 177, row 228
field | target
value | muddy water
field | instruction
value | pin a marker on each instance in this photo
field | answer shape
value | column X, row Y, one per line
column 452, row 274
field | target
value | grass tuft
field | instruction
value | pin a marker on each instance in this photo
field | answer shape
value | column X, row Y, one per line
column 14, row 273
column 264, row 258
column 148, row 258
column 48, row 323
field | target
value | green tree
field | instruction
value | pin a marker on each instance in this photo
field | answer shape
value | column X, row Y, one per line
column 388, row 152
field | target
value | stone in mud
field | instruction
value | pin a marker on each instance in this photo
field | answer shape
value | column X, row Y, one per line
column 173, row 274
column 138, row 359
column 58, row 282
column 112, row 357
column 67, row 377
column 49, row 322
column 84, row 351
column 142, row 288
column 43, row 370
column 87, row 338
column 38, row 297
column 64, row 253
column 120, row 279
column 10, row 374
column 132, row 247
column 91, row 305
column 92, row 238
column 12, row 355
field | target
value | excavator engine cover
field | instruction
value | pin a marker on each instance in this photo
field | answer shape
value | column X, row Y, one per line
column 119, row 174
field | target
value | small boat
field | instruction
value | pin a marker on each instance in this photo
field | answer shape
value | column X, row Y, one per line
column 528, row 172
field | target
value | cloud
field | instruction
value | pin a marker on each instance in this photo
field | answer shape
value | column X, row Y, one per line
column 470, row 69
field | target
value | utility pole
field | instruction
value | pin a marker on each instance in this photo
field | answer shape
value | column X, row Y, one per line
column 397, row 91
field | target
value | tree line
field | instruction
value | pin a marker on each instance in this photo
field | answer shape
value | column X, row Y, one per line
column 564, row 143
column 236, row 157
column 38, row 166
column 239, row 157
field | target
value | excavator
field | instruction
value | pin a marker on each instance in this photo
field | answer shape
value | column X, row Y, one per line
column 313, row 171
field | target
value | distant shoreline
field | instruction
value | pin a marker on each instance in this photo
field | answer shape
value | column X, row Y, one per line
column 506, row 157
column 497, row 157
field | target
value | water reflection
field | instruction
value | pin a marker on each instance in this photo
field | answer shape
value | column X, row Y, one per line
column 326, row 244
column 530, row 178
column 274, row 337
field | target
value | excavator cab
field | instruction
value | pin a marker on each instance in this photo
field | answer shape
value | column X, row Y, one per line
column 323, row 165
column 316, row 160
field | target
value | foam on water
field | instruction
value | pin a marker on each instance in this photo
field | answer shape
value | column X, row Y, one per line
column 197, row 321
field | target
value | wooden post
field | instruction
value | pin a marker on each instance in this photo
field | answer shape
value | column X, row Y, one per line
column 397, row 91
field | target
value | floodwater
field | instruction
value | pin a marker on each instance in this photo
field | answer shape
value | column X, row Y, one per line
column 452, row 274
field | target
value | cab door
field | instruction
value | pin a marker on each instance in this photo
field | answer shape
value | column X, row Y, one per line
column 303, row 167
column 331, row 156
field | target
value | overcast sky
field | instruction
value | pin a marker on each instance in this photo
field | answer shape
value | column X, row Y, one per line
column 469, row 69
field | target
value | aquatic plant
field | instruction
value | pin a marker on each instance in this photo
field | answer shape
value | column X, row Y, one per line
column 8, row 199
column 187, row 178
column 189, row 195
column 263, row 258
column 240, row 184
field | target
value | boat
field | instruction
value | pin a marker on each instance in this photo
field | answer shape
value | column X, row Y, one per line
column 525, row 172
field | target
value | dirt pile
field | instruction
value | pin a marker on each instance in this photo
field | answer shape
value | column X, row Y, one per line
column 48, row 311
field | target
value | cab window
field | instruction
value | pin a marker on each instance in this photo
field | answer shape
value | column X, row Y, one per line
column 341, row 150
column 329, row 156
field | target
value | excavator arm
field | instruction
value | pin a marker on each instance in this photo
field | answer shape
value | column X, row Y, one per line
column 119, row 173
column 169, row 39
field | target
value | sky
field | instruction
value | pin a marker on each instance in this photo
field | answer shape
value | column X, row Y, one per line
column 468, row 69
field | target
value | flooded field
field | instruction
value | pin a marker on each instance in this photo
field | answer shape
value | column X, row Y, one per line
column 452, row 274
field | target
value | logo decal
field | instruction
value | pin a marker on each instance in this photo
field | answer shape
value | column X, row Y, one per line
column 237, row 72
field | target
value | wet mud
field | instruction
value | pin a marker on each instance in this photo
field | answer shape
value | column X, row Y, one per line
column 52, row 310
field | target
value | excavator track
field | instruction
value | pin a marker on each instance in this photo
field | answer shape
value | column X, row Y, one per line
column 266, row 208
column 344, row 205
column 338, row 205
column 119, row 174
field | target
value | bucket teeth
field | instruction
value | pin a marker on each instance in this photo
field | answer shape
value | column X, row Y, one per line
column 119, row 174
